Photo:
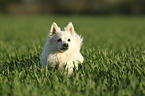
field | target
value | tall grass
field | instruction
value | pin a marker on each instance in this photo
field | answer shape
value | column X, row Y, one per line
column 113, row 48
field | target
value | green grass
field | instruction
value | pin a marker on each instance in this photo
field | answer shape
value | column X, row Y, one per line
column 113, row 49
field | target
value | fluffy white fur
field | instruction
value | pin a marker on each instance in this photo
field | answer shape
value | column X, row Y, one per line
column 53, row 51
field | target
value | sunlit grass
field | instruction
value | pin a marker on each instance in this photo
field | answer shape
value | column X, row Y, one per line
column 113, row 49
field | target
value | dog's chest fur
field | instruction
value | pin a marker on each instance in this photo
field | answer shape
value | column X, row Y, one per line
column 61, row 59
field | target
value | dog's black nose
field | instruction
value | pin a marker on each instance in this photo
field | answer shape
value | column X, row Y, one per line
column 65, row 45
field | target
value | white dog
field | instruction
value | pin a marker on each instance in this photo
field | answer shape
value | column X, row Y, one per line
column 62, row 47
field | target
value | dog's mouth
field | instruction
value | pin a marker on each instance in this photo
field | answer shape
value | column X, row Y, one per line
column 63, row 48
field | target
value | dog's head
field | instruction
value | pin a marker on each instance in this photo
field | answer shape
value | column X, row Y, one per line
column 62, row 40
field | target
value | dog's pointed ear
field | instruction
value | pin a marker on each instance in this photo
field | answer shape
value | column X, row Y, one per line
column 54, row 29
column 70, row 28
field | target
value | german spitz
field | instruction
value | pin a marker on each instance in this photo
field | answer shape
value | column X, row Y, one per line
column 62, row 48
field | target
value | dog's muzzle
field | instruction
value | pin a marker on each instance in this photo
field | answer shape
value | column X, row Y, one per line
column 64, row 46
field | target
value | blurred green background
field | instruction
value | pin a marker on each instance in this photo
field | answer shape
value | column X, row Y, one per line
column 129, row 7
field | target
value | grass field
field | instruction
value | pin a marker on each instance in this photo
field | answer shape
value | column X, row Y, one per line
column 113, row 48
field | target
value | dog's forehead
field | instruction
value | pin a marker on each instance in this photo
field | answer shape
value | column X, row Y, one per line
column 64, row 34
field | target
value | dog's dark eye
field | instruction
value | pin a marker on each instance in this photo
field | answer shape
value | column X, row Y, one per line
column 68, row 40
column 59, row 40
